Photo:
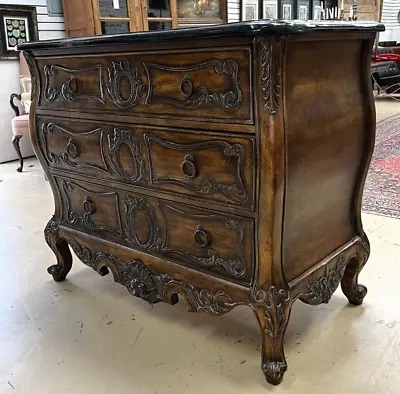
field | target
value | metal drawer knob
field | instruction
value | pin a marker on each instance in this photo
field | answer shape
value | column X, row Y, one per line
column 202, row 237
column 188, row 167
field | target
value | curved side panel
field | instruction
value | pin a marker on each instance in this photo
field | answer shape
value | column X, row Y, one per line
column 330, row 127
column 33, row 130
column 369, row 136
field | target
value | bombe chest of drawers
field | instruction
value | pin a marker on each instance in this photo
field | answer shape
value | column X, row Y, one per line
column 224, row 164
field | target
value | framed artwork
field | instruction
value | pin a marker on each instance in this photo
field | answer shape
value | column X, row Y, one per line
column 250, row 10
column 286, row 11
column 18, row 24
column 303, row 13
column 317, row 13
column 270, row 9
column 197, row 12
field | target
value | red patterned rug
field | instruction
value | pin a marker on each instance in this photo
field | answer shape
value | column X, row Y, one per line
column 382, row 187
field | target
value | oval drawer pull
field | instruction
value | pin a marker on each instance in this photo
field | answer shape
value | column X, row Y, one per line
column 188, row 167
column 202, row 237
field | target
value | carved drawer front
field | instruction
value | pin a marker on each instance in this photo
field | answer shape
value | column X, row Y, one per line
column 213, row 167
column 202, row 239
column 91, row 208
column 219, row 168
column 74, row 146
column 212, row 85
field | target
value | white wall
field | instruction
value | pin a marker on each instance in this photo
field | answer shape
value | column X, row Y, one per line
column 9, row 78
column 390, row 10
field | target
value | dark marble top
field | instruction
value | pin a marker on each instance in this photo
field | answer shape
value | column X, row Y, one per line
column 267, row 27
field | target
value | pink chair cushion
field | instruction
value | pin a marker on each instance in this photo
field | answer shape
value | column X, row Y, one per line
column 20, row 125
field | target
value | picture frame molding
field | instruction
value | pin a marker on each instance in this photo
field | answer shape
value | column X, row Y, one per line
column 255, row 3
column 288, row 6
column 275, row 3
column 25, row 12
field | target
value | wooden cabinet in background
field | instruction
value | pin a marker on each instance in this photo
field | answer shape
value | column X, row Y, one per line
column 78, row 16
column 96, row 17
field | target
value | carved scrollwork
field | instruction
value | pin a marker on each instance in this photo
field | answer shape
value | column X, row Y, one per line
column 206, row 184
column 88, row 208
column 156, row 238
column 320, row 289
column 116, row 74
column 50, row 229
column 115, row 142
column 134, row 207
column 216, row 303
column 143, row 283
column 69, row 89
column 195, row 98
column 270, row 73
column 274, row 371
column 72, row 155
column 236, row 267
column 275, row 302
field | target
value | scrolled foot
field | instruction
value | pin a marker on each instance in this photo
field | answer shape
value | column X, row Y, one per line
column 274, row 371
column 354, row 291
column 60, row 248
column 19, row 169
column 356, row 294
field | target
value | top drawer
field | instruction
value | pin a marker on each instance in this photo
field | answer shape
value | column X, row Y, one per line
column 199, row 85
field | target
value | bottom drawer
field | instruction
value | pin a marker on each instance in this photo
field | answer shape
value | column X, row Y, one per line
column 199, row 238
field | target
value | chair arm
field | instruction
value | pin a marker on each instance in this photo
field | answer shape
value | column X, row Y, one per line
column 13, row 106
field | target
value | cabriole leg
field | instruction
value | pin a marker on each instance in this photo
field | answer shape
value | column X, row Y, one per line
column 355, row 292
column 272, row 309
column 60, row 248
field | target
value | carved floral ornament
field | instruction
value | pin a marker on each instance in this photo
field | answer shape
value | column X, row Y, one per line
column 126, row 87
column 152, row 287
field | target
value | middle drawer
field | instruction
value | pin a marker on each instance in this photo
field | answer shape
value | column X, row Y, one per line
column 217, row 167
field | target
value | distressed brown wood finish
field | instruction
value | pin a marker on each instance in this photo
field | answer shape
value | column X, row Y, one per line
column 227, row 171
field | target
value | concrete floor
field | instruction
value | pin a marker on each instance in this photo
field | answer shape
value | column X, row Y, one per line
column 88, row 335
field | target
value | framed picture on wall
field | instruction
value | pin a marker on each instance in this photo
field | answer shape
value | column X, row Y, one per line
column 270, row 9
column 18, row 24
column 286, row 11
column 317, row 13
column 250, row 10
column 303, row 12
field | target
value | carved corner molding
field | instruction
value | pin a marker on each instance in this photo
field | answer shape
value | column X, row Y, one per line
column 143, row 283
column 270, row 62
column 274, row 301
column 31, row 65
column 51, row 227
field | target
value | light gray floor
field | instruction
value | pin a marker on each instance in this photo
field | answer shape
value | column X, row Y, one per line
column 88, row 335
